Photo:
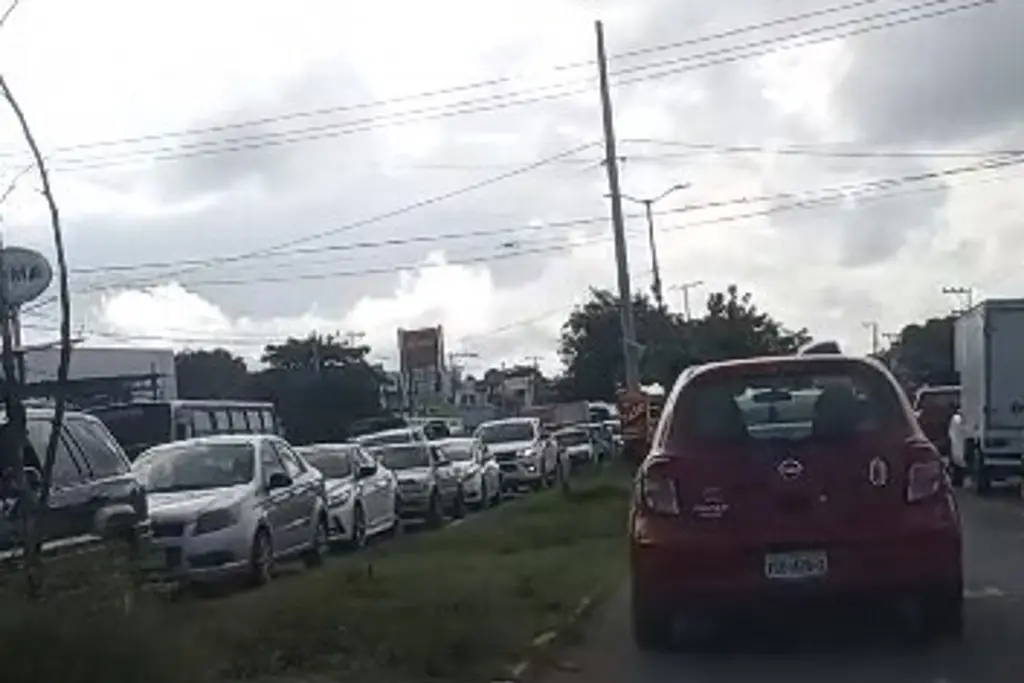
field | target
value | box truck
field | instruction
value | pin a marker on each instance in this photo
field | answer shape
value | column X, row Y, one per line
column 988, row 349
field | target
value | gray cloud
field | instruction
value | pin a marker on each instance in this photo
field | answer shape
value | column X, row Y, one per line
column 941, row 81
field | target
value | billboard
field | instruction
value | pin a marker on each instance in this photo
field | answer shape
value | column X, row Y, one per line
column 421, row 360
column 421, row 349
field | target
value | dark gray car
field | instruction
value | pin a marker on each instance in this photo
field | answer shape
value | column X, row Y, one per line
column 93, row 494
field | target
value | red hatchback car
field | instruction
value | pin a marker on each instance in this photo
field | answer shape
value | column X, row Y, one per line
column 789, row 480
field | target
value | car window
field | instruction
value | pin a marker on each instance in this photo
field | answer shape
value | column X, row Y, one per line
column 101, row 454
column 201, row 422
column 507, row 432
column 66, row 471
column 270, row 462
column 292, row 463
column 333, row 463
column 254, row 421
column 791, row 403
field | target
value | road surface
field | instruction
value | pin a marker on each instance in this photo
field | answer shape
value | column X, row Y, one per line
column 992, row 651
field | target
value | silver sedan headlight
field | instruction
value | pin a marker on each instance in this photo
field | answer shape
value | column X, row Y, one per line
column 216, row 520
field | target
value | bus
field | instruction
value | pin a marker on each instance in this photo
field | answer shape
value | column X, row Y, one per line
column 142, row 424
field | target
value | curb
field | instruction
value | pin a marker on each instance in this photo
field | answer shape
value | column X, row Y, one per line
column 544, row 644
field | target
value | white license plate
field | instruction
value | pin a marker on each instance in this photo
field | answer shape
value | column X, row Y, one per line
column 795, row 566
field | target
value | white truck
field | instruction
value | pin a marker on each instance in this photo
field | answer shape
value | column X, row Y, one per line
column 988, row 341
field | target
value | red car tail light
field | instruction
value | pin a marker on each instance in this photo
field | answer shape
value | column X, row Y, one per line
column 657, row 493
column 924, row 480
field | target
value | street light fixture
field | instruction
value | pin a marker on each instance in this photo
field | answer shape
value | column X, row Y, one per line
column 648, row 203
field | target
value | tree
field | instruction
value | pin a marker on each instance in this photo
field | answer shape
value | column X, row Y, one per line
column 923, row 354
column 732, row 327
column 211, row 374
column 591, row 346
column 320, row 385
column 314, row 352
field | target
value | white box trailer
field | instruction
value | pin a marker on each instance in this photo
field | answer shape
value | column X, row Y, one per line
column 988, row 348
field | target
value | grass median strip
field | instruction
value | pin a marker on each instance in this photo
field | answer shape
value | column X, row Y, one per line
column 453, row 605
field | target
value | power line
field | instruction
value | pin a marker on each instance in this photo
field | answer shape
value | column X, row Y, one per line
column 827, row 150
column 500, row 101
column 843, row 190
column 377, row 218
column 798, row 204
column 450, row 90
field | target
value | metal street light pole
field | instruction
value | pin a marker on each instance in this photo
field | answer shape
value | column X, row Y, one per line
column 648, row 204
column 685, row 289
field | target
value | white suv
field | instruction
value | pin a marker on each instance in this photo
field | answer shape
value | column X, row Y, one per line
column 524, row 452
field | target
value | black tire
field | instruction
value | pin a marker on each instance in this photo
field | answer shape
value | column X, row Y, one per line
column 314, row 557
column 942, row 615
column 435, row 515
column 358, row 539
column 261, row 562
column 652, row 627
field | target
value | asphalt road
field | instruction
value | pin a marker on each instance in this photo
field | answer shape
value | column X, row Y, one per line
column 846, row 650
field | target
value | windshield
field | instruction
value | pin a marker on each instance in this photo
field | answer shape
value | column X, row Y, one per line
column 460, row 450
column 404, row 457
column 574, row 438
column 333, row 462
column 386, row 438
column 790, row 404
column 193, row 466
column 506, row 432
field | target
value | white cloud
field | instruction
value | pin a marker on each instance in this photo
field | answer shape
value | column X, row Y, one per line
column 130, row 68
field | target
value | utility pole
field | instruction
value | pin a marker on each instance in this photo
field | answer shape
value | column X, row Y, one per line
column 648, row 203
column 873, row 326
column 685, row 289
column 630, row 351
column 965, row 295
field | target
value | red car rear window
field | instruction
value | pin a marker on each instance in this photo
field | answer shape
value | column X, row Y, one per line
column 794, row 401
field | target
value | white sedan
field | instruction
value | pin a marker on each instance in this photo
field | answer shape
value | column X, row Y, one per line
column 476, row 468
column 229, row 505
column 361, row 492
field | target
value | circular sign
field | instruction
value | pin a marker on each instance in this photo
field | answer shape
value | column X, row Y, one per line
column 24, row 275
column 790, row 469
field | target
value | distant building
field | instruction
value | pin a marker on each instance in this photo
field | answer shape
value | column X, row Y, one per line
column 99, row 376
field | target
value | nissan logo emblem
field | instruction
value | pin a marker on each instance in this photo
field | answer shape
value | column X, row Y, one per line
column 790, row 469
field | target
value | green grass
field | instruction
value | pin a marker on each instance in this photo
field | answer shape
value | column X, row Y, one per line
column 453, row 605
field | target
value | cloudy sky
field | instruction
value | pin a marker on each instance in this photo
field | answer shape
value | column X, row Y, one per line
column 232, row 172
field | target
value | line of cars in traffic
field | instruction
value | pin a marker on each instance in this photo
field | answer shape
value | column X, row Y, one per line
column 236, row 504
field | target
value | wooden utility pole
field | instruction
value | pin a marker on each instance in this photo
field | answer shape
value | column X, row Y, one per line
column 630, row 351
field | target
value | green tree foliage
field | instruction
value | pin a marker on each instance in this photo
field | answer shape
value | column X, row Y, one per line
column 732, row 327
column 215, row 373
column 313, row 352
column 923, row 354
column 319, row 385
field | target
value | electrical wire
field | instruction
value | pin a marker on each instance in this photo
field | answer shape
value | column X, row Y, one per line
column 450, row 90
column 865, row 192
column 499, row 101
column 843, row 189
